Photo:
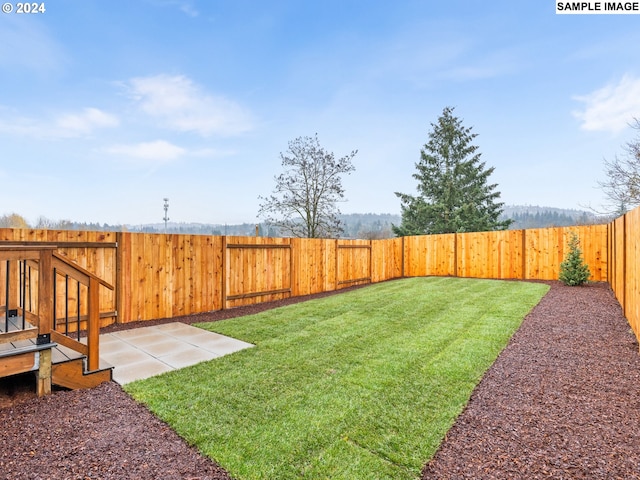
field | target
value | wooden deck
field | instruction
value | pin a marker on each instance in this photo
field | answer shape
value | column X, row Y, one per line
column 59, row 353
column 20, row 355
column 38, row 282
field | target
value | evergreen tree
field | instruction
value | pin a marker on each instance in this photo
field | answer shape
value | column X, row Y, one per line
column 573, row 271
column 453, row 190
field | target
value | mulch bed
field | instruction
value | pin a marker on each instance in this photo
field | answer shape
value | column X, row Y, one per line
column 561, row 401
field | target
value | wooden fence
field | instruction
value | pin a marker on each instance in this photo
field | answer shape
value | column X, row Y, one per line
column 533, row 254
column 624, row 261
column 163, row 276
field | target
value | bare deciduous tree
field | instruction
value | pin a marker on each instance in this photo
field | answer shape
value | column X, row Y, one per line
column 304, row 200
column 622, row 186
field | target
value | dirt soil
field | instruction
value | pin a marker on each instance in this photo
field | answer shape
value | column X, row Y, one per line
column 561, row 401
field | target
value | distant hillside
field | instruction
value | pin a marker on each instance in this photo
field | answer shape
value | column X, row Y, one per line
column 378, row 225
column 242, row 229
column 356, row 225
column 527, row 216
column 369, row 226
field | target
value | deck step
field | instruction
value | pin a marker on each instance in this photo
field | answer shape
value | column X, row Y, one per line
column 71, row 374
column 26, row 349
column 21, row 359
column 68, row 367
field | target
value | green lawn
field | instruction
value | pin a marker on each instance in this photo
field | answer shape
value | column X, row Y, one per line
column 362, row 385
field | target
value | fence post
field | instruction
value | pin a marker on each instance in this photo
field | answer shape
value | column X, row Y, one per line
column 370, row 260
column 223, row 277
column 610, row 253
column 403, row 254
column 118, row 277
column 123, row 281
column 624, row 264
column 455, row 255
column 293, row 274
column 337, row 266
column 523, row 264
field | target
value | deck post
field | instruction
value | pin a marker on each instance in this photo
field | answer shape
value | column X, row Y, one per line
column 45, row 292
column 45, row 319
column 93, row 325
column 13, row 279
column 44, row 372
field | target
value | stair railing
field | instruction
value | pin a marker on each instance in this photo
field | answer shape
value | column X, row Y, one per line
column 22, row 263
column 63, row 266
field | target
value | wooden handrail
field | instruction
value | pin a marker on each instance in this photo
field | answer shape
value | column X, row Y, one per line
column 69, row 342
column 17, row 252
column 71, row 267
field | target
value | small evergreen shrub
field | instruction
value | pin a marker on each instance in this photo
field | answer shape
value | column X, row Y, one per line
column 573, row 270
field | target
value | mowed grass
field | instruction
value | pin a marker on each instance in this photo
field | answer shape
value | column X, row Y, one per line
column 362, row 385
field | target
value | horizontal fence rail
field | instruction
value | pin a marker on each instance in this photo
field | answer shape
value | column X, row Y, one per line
column 169, row 275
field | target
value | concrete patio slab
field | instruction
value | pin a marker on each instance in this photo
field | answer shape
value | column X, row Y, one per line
column 143, row 352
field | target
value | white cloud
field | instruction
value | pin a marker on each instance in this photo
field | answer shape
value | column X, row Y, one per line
column 158, row 151
column 612, row 107
column 183, row 106
column 79, row 124
column 65, row 125
column 17, row 125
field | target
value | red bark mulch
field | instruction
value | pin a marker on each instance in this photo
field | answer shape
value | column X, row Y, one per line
column 561, row 401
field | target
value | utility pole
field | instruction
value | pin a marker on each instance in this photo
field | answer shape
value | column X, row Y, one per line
column 166, row 210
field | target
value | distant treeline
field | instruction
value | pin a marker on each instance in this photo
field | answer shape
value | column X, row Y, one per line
column 369, row 226
column 547, row 219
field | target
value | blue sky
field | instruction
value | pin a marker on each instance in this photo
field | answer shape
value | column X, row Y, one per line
column 108, row 107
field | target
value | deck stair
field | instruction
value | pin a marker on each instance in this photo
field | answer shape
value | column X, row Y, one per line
column 48, row 302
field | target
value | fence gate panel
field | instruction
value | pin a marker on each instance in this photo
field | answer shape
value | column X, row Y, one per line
column 353, row 262
column 256, row 270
